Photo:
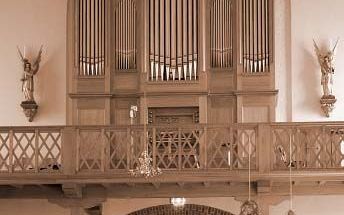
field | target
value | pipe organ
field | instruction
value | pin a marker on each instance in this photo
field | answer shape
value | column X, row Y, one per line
column 215, row 56
column 221, row 39
column 256, row 35
column 91, row 34
column 173, row 39
column 124, row 35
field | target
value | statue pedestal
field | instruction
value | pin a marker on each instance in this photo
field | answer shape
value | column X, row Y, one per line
column 327, row 104
column 30, row 109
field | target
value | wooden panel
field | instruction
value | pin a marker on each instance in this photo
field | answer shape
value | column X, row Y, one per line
column 173, row 101
column 128, row 81
column 88, row 103
column 255, row 114
column 184, row 115
column 221, row 110
column 256, row 82
column 91, row 116
column 221, row 81
column 93, row 85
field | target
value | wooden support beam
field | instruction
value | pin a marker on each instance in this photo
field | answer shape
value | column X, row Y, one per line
column 107, row 186
column 206, row 184
column 97, row 210
column 156, row 185
column 71, row 190
column 181, row 184
column 263, row 186
column 131, row 184
column 17, row 186
column 322, row 183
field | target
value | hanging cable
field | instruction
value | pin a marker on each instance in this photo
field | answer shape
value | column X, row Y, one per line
column 249, row 207
column 249, row 172
column 290, row 179
column 290, row 212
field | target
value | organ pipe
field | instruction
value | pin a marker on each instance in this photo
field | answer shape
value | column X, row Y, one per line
column 125, row 28
column 91, row 37
column 256, row 35
column 173, row 39
column 221, row 34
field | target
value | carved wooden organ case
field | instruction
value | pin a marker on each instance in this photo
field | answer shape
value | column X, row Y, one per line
column 210, row 57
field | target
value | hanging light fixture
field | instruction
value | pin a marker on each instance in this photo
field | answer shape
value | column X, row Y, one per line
column 249, row 207
column 145, row 167
column 178, row 201
column 290, row 212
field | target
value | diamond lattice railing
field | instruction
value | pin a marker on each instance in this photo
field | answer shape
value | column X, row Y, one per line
column 118, row 148
column 49, row 151
column 174, row 147
column 24, row 151
column 312, row 147
column 4, row 152
column 91, row 149
column 30, row 149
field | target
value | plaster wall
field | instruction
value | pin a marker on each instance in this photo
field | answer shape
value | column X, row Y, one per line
column 30, row 207
column 321, row 20
column 33, row 23
column 303, row 205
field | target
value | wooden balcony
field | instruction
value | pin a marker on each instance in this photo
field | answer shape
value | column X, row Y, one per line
column 187, row 154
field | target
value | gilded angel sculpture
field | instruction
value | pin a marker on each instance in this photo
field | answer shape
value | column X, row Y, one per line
column 30, row 69
column 326, row 62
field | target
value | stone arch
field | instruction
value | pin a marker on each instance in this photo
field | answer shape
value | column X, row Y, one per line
column 189, row 209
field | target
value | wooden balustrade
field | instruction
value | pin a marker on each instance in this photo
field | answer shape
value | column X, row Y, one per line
column 30, row 149
column 105, row 149
column 173, row 148
column 308, row 147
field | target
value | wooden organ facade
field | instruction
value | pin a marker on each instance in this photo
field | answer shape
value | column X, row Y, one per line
column 215, row 56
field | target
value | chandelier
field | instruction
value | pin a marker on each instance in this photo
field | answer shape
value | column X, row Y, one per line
column 249, row 208
column 144, row 167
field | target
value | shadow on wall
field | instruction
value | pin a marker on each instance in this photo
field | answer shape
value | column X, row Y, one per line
column 310, row 78
column 47, row 86
column 188, row 209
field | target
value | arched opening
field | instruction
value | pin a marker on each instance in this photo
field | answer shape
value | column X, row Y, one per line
column 189, row 209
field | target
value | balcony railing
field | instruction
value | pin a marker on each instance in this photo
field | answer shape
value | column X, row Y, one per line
column 101, row 150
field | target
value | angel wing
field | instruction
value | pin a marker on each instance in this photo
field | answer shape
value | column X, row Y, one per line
column 20, row 54
column 316, row 48
column 35, row 65
column 335, row 46
column 317, row 51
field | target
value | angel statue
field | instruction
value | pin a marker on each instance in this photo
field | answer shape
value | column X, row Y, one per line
column 326, row 62
column 30, row 69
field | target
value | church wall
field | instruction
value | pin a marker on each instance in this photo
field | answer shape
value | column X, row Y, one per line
column 306, row 205
column 33, row 23
column 320, row 20
column 30, row 207
column 315, row 205
column 44, row 22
